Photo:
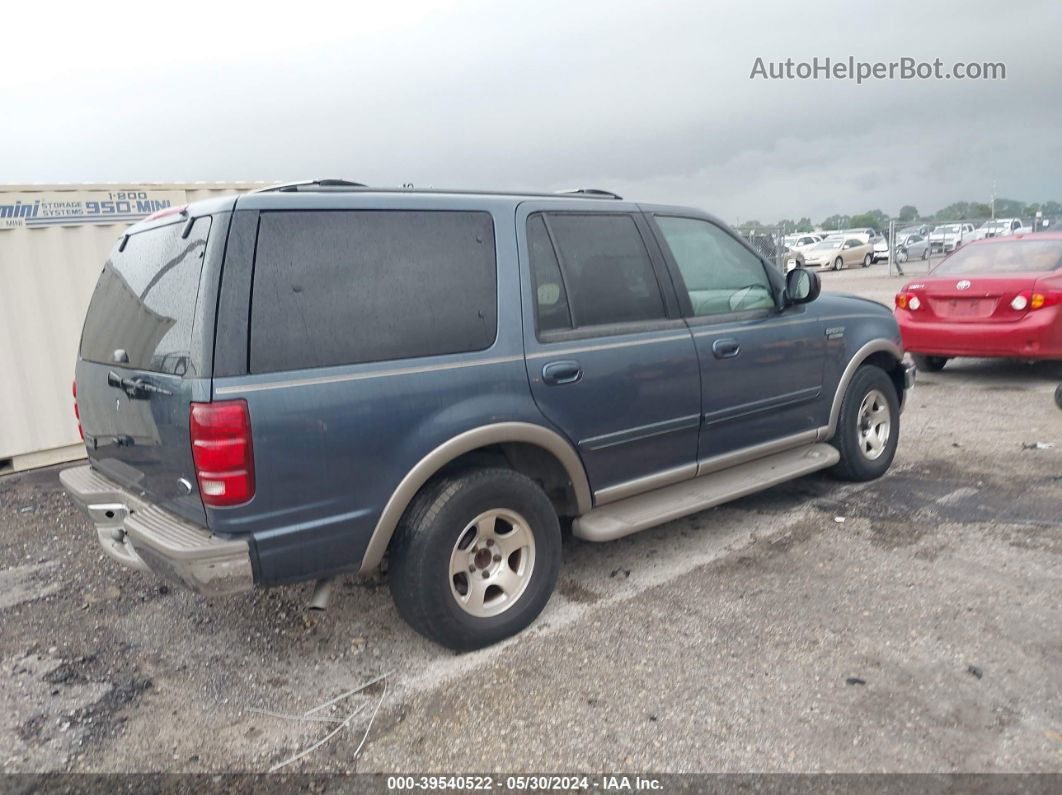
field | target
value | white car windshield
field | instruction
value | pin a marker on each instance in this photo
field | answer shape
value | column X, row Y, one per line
column 948, row 228
column 829, row 243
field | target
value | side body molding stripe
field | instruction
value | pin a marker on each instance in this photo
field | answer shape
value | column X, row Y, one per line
column 463, row 443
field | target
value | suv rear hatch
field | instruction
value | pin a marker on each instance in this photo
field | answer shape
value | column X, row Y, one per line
column 145, row 355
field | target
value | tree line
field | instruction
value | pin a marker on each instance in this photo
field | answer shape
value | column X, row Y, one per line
column 958, row 211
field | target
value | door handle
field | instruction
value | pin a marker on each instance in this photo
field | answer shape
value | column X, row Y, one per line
column 558, row 373
column 726, row 348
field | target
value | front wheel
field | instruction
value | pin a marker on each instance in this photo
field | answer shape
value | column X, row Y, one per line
column 925, row 253
column 475, row 558
column 868, row 427
column 929, row 364
column 867, row 260
column 838, row 264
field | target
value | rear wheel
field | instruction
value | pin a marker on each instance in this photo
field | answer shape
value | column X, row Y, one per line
column 867, row 260
column 475, row 558
column 930, row 364
column 838, row 264
column 1058, row 395
column 868, row 427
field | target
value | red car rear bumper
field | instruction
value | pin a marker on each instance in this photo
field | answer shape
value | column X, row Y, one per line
column 1038, row 335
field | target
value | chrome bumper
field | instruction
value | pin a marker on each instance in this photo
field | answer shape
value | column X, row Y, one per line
column 143, row 536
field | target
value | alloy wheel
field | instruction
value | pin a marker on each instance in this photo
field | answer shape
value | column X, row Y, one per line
column 874, row 425
column 492, row 562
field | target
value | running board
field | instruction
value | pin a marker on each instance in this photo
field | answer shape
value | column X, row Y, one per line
column 633, row 514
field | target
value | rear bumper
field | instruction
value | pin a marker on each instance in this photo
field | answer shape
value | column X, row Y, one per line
column 1036, row 336
column 143, row 536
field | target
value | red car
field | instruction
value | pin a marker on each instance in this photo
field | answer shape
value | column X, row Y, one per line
column 994, row 297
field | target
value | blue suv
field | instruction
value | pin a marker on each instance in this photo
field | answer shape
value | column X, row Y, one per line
column 301, row 382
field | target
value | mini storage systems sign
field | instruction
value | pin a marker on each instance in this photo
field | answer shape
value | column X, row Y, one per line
column 76, row 208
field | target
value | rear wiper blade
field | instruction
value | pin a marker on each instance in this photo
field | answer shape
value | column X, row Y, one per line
column 134, row 387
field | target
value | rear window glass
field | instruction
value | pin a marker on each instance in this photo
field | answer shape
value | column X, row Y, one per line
column 1006, row 256
column 345, row 287
column 144, row 301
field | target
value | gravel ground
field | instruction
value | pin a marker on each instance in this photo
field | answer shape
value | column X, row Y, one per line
column 921, row 633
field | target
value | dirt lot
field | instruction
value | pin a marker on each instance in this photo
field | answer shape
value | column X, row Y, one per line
column 921, row 633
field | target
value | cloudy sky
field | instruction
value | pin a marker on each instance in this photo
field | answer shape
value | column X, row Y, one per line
column 652, row 100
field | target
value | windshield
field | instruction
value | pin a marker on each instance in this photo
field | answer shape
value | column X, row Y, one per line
column 1007, row 256
column 948, row 228
column 829, row 244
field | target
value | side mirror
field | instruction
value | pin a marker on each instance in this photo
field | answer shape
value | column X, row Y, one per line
column 801, row 286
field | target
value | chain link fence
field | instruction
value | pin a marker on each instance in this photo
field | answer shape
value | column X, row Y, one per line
column 768, row 241
column 916, row 247
column 907, row 247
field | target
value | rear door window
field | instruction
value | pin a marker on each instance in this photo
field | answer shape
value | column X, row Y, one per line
column 608, row 276
column 144, row 302
column 352, row 286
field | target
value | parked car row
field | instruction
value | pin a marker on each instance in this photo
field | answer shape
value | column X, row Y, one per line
column 834, row 249
column 1001, row 227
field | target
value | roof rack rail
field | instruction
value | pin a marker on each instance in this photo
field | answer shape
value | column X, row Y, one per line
column 309, row 184
column 590, row 193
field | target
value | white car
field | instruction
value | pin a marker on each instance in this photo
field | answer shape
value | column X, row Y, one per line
column 1000, row 227
column 864, row 232
column 801, row 243
column 881, row 250
column 948, row 237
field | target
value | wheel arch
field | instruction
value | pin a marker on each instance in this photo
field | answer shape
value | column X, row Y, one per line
column 523, row 445
column 882, row 353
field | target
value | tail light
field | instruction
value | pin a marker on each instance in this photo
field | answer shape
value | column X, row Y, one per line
column 908, row 301
column 221, row 450
column 1035, row 299
column 77, row 412
column 1039, row 300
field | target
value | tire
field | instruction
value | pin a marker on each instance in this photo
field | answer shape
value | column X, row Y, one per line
column 838, row 264
column 440, row 531
column 1058, row 396
column 925, row 253
column 929, row 364
column 867, row 260
column 868, row 427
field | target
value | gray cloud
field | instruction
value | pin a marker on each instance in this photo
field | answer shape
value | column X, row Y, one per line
column 654, row 101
